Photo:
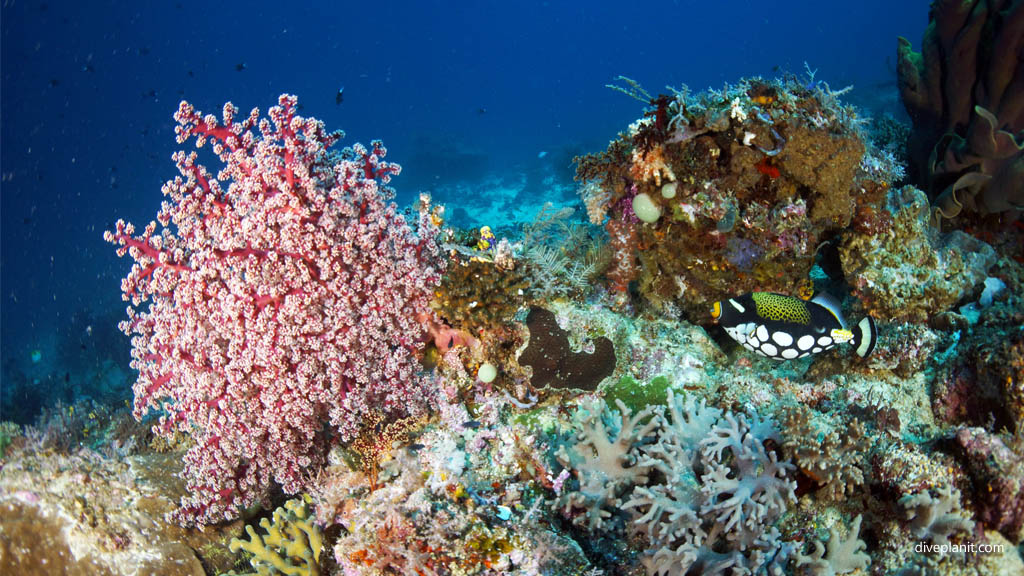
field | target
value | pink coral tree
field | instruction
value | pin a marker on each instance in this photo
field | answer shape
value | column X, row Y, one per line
column 276, row 303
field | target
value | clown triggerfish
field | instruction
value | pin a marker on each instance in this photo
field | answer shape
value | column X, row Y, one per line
column 784, row 327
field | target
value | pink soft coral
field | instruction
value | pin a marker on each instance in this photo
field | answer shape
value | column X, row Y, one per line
column 277, row 305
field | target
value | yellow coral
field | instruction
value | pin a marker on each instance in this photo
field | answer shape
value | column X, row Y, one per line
column 291, row 546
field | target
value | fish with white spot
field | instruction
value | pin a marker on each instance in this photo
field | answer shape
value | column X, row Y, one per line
column 783, row 327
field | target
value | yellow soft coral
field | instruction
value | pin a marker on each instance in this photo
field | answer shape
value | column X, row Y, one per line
column 291, row 545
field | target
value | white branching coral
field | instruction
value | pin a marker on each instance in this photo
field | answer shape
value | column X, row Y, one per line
column 938, row 517
column 842, row 557
column 745, row 486
column 604, row 460
column 717, row 494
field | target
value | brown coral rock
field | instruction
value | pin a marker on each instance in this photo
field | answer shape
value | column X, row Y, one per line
column 911, row 272
column 553, row 360
column 997, row 471
column 825, row 163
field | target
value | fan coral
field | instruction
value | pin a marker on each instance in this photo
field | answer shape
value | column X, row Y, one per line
column 268, row 317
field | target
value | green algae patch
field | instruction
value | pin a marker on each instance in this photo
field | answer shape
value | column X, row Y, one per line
column 637, row 395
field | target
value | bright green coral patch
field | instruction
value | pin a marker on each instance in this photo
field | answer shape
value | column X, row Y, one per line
column 637, row 395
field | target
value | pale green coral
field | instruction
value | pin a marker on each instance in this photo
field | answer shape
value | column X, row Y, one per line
column 291, row 545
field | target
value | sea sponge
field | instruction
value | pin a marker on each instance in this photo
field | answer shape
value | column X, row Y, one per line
column 553, row 361
column 962, row 92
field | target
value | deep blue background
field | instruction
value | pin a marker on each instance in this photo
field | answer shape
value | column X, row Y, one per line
column 88, row 89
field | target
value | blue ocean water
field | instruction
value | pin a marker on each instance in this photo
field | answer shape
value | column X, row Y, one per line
column 464, row 95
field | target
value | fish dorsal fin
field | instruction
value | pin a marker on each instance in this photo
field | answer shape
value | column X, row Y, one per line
column 830, row 303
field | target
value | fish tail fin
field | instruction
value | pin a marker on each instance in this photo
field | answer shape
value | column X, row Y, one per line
column 865, row 335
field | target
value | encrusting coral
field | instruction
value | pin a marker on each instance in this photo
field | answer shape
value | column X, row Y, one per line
column 553, row 361
column 834, row 461
column 996, row 468
column 908, row 271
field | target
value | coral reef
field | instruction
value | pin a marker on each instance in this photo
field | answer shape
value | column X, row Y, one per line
column 963, row 92
column 265, row 311
column 465, row 500
column 477, row 401
column 908, row 271
column 737, row 189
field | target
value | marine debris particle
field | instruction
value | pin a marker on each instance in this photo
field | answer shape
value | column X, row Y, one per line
column 554, row 362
